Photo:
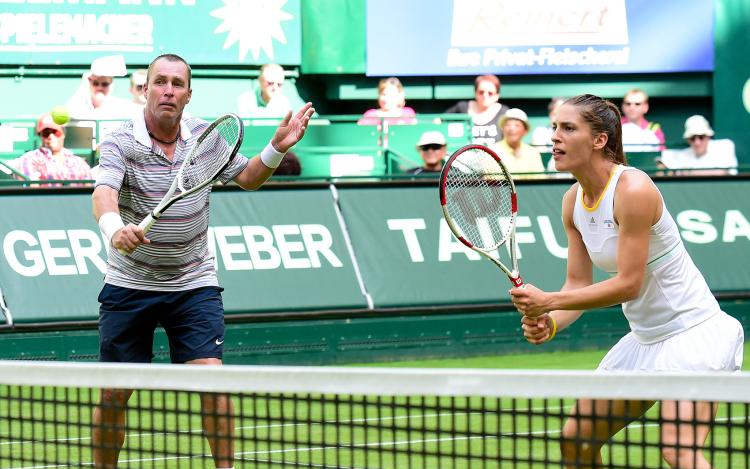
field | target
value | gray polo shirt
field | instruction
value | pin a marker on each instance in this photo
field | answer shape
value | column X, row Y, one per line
column 178, row 256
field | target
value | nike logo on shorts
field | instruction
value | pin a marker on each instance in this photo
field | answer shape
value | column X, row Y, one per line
column 219, row 342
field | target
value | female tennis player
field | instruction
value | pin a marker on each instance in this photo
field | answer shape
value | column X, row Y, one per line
column 616, row 219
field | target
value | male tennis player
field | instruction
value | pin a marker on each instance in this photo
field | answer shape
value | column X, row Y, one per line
column 168, row 278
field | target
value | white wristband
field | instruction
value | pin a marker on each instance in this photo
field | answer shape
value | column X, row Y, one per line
column 270, row 157
column 110, row 223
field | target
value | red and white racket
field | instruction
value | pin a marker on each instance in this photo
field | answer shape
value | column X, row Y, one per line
column 479, row 203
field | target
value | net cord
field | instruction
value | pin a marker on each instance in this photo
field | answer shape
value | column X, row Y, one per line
column 716, row 386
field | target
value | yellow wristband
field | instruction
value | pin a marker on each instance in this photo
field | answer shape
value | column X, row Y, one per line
column 554, row 329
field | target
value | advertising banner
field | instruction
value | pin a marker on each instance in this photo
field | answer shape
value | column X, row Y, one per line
column 281, row 250
column 53, row 257
column 408, row 255
column 213, row 32
column 284, row 249
column 275, row 250
column 508, row 37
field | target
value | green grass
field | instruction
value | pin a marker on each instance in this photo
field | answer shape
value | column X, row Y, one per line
column 580, row 360
column 585, row 360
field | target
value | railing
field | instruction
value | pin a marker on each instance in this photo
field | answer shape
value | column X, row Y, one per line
column 334, row 146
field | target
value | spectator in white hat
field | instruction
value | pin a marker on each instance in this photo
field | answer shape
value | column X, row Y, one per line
column 432, row 148
column 94, row 99
column 519, row 157
column 704, row 155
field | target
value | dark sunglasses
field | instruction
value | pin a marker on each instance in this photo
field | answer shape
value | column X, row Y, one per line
column 139, row 87
column 697, row 137
column 431, row 146
column 103, row 84
column 47, row 132
column 630, row 103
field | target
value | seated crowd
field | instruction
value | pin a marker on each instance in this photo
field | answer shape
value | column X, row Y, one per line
column 505, row 129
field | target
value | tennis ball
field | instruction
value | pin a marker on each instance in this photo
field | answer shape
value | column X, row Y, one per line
column 60, row 115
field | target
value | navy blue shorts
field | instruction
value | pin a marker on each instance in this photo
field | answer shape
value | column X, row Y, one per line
column 192, row 319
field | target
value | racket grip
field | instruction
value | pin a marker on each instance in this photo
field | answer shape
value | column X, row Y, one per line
column 517, row 281
column 144, row 225
column 147, row 223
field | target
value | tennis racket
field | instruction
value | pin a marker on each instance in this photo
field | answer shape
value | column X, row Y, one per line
column 214, row 149
column 479, row 203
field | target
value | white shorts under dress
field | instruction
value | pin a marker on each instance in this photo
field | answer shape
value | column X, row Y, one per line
column 715, row 344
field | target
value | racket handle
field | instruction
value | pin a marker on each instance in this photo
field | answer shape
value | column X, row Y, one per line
column 147, row 223
column 517, row 281
column 144, row 225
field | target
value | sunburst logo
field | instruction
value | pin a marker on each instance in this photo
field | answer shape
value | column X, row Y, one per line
column 253, row 24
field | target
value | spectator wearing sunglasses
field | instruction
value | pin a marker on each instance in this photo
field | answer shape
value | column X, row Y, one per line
column 52, row 161
column 704, row 156
column 432, row 147
column 137, row 82
column 485, row 110
column 639, row 134
column 94, row 99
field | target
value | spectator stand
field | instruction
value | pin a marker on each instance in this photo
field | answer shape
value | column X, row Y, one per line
column 334, row 147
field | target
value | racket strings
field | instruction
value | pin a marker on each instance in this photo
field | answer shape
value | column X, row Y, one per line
column 210, row 155
column 479, row 199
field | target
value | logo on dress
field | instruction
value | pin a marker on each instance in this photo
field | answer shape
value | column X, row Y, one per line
column 593, row 226
column 609, row 224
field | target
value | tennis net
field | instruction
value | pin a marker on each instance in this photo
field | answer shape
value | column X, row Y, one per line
column 333, row 417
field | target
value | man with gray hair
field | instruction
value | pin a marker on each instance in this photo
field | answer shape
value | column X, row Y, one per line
column 267, row 100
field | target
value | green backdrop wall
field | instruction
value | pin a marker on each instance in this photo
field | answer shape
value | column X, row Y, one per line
column 286, row 249
column 732, row 75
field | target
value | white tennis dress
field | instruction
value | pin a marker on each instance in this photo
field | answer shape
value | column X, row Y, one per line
column 676, row 323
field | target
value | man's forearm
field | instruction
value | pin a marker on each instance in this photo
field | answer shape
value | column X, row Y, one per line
column 105, row 199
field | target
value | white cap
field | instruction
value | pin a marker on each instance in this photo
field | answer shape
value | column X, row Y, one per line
column 431, row 137
column 697, row 125
column 109, row 66
column 515, row 113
